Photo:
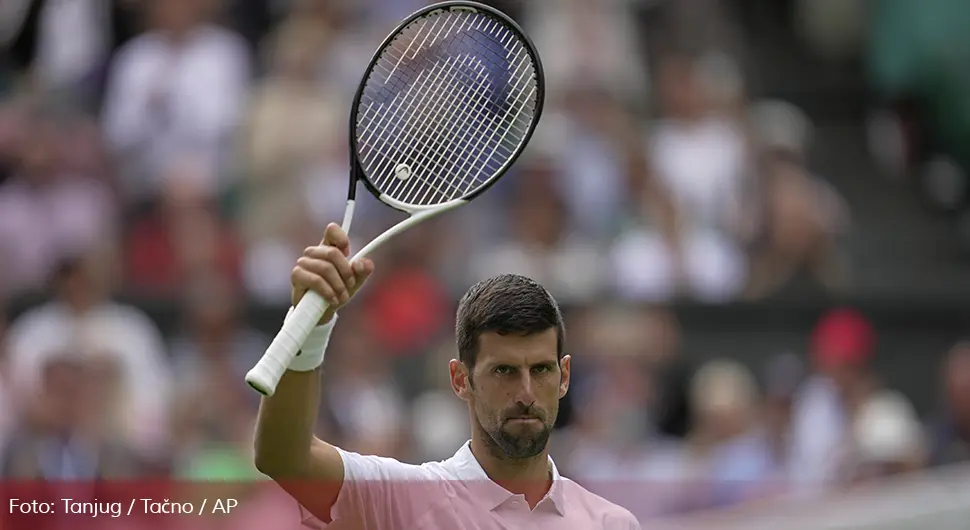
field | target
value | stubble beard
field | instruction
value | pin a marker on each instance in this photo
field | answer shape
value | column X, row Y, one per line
column 514, row 446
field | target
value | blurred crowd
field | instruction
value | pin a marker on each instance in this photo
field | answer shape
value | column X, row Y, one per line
column 186, row 151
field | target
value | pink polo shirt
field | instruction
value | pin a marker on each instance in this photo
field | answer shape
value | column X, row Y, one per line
column 381, row 493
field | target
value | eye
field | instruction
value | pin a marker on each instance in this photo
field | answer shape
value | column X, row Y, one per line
column 503, row 370
column 542, row 368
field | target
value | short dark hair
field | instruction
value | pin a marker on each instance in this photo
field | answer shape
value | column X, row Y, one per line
column 508, row 304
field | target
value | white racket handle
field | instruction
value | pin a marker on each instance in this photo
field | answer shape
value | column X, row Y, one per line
column 266, row 375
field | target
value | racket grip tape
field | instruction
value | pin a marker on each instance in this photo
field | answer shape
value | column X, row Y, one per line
column 266, row 375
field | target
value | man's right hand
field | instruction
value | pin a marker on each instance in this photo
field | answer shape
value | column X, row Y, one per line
column 325, row 270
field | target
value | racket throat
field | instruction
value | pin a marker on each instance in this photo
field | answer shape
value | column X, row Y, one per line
column 416, row 218
column 348, row 216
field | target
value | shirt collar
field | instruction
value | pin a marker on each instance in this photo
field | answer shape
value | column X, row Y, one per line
column 469, row 470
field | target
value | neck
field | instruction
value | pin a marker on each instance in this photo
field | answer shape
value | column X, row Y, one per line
column 178, row 36
column 530, row 477
column 80, row 306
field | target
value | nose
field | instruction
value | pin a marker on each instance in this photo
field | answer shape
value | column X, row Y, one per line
column 525, row 392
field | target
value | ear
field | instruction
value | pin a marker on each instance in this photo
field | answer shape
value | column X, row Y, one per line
column 460, row 379
column 564, row 366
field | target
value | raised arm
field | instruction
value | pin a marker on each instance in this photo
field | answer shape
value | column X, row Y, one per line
column 310, row 469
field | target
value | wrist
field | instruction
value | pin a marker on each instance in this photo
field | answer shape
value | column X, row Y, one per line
column 311, row 354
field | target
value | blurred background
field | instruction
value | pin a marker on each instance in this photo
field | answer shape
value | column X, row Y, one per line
column 754, row 213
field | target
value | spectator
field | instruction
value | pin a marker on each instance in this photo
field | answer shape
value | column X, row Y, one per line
column 618, row 390
column 950, row 432
column 178, row 89
column 63, row 47
column 588, row 140
column 213, row 409
column 610, row 444
column 294, row 152
column 803, row 216
column 439, row 417
column 698, row 161
column 698, row 156
column 542, row 246
column 407, row 306
column 726, row 459
column 595, row 43
column 82, row 320
column 63, row 436
column 842, row 347
column 888, row 439
column 47, row 209
column 182, row 237
column 364, row 400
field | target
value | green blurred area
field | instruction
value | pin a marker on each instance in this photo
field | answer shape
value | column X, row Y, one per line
column 220, row 464
column 921, row 49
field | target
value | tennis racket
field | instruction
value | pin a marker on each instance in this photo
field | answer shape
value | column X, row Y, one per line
column 445, row 107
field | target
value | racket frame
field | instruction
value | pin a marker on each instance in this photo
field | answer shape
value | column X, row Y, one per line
column 265, row 376
column 435, row 9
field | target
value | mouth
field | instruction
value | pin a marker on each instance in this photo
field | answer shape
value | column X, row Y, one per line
column 524, row 419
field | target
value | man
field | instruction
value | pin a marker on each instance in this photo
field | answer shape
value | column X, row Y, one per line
column 842, row 347
column 511, row 372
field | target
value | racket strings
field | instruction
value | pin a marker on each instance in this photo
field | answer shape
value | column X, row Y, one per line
column 447, row 107
column 435, row 143
column 397, row 151
column 467, row 182
column 430, row 140
column 489, row 126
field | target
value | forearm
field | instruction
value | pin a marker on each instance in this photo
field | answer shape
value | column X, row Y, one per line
column 284, row 425
column 309, row 469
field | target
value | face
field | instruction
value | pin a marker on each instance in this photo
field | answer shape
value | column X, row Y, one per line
column 679, row 88
column 177, row 15
column 514, row 390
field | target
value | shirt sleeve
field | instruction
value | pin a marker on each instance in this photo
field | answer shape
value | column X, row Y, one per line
column 379, row 493
column 625, row 520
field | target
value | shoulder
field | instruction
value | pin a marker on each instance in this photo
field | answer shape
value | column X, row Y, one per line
column 223, row 40
column 131, row 52
column 364, row 468
column 610, row 515
column 35, row 324
column 128, row 317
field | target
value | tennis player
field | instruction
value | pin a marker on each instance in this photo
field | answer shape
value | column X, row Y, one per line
column 511, row 372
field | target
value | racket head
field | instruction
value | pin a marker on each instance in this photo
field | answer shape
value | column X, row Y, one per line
column 447, row 104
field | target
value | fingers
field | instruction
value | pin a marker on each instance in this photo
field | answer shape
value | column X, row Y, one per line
column 335, row 236
column 304, row 281
column 325, row 270
column 334, row 257
column 324, row 276
column 363, row 268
